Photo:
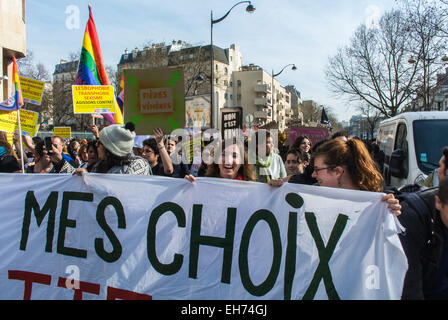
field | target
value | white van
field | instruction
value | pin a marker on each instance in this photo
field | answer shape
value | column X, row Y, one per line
column 412, row 143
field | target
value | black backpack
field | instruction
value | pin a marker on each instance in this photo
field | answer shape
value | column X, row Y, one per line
column 410, row 194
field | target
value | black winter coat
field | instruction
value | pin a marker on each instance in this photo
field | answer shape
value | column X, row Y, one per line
column 422, row 243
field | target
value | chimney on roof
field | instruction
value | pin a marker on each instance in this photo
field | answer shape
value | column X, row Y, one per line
column 126, row 51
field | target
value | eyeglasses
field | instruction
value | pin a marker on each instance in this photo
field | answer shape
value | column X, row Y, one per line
column 319, row 169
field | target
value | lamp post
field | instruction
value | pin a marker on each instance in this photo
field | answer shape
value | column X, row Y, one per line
column 294, row 68
column 250, row 8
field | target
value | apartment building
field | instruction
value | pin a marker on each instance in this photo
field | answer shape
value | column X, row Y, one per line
column 12, row 41
column 235, row 85
column 262, row 97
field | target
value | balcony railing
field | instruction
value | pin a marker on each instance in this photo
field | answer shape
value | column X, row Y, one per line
column 265, row 88
column 260, row 115
column 262, row 101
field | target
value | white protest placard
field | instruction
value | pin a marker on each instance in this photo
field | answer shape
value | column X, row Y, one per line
column 111, row 236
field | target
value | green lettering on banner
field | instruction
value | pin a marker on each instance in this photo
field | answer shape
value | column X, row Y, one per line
column 173, row 267
column 269, row 282
column 291, row 249
column 65, row 223
column 295, row 201
column 226, row 243
column 115, row 254
column 31, row 204
column 325, row 253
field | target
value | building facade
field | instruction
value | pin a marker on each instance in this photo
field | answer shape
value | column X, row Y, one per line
column 438, row 100
column 12, row 41
column 262, row 97
column 196, row 63
column 234, row 85
column 296, row 104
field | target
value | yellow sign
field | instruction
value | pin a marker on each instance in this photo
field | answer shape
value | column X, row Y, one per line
column 10, row 137
column 93, row 99
column 63, row 132
column 28, row 122
column 32, row 90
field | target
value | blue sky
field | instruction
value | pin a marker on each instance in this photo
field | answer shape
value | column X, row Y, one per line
column 280, row 32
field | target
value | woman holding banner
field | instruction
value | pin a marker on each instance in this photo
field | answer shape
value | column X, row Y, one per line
column 347, row 165
column 114, row 148
column 231, row 163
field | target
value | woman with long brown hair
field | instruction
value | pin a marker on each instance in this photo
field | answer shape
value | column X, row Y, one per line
column 231, row 163
column 347, row 165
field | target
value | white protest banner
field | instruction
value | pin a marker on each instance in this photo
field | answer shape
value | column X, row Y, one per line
column 111, row 236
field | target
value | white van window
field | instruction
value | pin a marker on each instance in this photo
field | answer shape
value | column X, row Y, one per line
column 385, row 138
column 430, row 136
column 401, row 141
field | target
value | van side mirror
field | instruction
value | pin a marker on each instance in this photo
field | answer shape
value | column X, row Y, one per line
column 398, row 165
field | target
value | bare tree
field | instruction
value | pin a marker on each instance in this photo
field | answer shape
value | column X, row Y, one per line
column 424, row 19
column 374, row 67
column 62, row 109
column 372, row 117
column 28, row 68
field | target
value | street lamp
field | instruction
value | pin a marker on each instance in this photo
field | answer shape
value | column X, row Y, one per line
column 294, row 68
column 250, row 8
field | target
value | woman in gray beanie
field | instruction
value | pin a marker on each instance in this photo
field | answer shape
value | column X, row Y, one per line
column 115, row 153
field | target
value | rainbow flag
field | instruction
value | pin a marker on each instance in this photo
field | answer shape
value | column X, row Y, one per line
column 120, row 95
column 91, row 70
column 15, row 101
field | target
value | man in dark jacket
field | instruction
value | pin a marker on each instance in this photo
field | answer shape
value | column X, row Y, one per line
column 425, row 241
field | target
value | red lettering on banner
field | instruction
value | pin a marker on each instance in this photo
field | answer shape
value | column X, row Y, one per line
column 114, row 293
column 83, row 287
column 29, row 278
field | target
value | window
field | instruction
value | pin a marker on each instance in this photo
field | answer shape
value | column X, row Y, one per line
column 226, row 83
column 216, row 67
column 226, row 71
column 428, row 146
column 239, row 83
column 401, row 141
column 231, row 84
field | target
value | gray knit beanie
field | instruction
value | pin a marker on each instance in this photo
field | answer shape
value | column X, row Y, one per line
column 118, row 139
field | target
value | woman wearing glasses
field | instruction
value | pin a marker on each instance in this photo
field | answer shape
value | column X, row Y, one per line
column 347, row 165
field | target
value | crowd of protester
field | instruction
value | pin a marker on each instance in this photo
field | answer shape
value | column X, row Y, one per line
column 337, row 162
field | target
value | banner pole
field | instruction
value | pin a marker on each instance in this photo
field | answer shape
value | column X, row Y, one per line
column 20, row 139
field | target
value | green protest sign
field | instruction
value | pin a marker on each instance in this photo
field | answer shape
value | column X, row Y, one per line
column 154, row 98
